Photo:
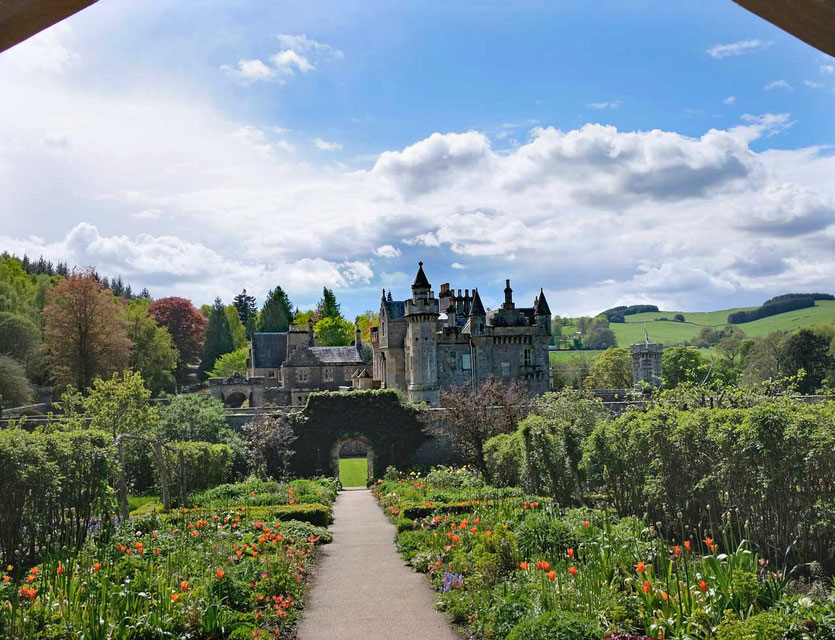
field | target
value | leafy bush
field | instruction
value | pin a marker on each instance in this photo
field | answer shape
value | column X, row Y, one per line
column 503, row 456
column 317, row 514
column 556, row 625
column 205, row 465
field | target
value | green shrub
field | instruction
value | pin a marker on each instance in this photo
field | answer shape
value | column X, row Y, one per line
column 542, row 533
column 317, row 514
column 296, row 529
column 504, row 458
column 205, row 465
column 404, row 524
column 557, row 625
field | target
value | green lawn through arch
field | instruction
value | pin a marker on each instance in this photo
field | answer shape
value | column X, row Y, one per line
column 353, row 472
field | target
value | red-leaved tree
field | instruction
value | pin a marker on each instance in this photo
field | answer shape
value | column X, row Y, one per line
column 85, row 333
column 187, row 327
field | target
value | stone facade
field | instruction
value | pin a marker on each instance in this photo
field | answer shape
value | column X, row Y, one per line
column 426, row 343
column 292, row 366
column 646, row 363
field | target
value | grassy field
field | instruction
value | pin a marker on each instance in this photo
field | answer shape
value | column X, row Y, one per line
column 353, row 472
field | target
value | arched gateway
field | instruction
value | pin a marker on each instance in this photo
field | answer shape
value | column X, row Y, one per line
column 390, row 431
column 350, row 442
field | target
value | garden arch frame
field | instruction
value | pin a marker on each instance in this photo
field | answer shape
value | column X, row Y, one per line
column 355, row 437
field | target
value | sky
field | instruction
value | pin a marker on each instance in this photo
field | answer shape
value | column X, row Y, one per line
column 623, row 152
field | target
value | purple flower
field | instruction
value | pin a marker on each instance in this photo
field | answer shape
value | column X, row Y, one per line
column 451, row 581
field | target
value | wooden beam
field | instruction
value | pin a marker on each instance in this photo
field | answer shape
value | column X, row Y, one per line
column 21, row 19
column 813, row 21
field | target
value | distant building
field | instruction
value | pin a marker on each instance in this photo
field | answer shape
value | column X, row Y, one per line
column 646, row 362
column 424, row 343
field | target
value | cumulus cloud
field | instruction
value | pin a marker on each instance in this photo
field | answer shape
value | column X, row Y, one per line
column 827, row 68
column 729, row 100
column 296, row 55
column 387, row 251
column 458, row 265
column 778, row 84
column 787, row 210
column 812, row 84
column 733, row 49
column 613, row 104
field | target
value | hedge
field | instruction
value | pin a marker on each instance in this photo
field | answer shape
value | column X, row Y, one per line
column 206, row 465
column 55, row 486
column 317, row 514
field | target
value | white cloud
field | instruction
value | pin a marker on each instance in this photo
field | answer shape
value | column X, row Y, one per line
column 613, row 104
column 297, row 54
column 458, row 265
column 324, row 145
column 827, row 68
column 813, row 85
column 778, row 84
column 387, row 251
column 720, row 51
column 47, row 53
column 729, row 100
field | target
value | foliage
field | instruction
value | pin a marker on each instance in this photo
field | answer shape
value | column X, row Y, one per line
column 153, row 354
column 809, row 351
column 680, row 365
column 15, row 390
column 764, row 464
column 365, row 322
column 229, row 363
column 472, row 416
column 54, row 487
column 616, row 314
column 218, row 336
column 194, row 574
column 19, row 336
column 120, row 405
column 276, row 313
column 555, row 625
column 334, row 332
column 236, row 327
column 187, row 327
column 269, row 445
column 504, row 458
column 612, row 369
column 85, row 333
column 773, row 307
column 204, row 464
column 247, row 311
column 598, row 335
column 328, row 307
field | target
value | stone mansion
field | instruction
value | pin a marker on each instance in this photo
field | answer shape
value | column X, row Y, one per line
column 426, row 343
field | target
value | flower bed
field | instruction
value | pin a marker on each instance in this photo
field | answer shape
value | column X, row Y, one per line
column 193, row 573
column 519, row 567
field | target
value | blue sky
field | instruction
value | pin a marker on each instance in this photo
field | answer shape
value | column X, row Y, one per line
column 610, row 152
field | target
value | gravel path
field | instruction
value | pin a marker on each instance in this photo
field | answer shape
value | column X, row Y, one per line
column 362, row 589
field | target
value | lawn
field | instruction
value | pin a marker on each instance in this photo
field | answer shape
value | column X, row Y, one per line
column 353, row 472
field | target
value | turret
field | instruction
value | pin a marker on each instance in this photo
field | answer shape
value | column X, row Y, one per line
column 542, row 312
column 508, row 296
column 478, row 317
column 421, row 314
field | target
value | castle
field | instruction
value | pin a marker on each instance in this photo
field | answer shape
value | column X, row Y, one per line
column 424, row 344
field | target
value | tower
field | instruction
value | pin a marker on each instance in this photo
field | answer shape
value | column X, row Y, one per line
column 421, row 313
column 542, row 313
column 646, row 362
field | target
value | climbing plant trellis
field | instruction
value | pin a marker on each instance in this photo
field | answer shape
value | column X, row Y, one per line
column 158, row 446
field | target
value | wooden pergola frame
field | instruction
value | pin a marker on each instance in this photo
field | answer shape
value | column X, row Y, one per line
column 158, row 445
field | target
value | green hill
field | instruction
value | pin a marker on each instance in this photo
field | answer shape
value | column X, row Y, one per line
column 670, row 332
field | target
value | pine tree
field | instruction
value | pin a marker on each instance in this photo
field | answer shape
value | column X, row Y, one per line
column 328, row 307
column 145, row 294
column 276, row 312
column 247, row 311
column 218, row 337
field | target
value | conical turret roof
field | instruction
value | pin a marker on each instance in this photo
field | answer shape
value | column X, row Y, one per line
column 541, row 308
column 476, row 308
column 421, row 282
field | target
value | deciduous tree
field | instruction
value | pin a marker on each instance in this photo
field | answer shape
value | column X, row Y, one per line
column 19, row 336
column 153, row 354
column 187, row 327
column 15, row 389
column 85, row 332
column 334, row 332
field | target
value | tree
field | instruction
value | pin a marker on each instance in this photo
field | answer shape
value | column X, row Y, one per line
column 681, row 364
column 473, row 416
column 598, row 335
column 730, row 347
column 85, row 332
column 120, row 405
column 193, row 417
column 269, row 445
column 276, row 312
column 334, row 332
column 365, row 322
column 762, row 360
column 19, row 336
column 303, row 317
column 187, row 327
column 328, row 307
column 153, row 354
column 15, row 390
column 809, row 351
column 612, row 369
column 229, row 363
column 237, row 329
column 247, row 311
column 218, row 336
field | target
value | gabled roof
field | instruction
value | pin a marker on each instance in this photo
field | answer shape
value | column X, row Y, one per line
column 541, row 308
column 395, row 309
column 269, row 350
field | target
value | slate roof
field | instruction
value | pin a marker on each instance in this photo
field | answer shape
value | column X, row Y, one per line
column 269, row 350
column 477, row 308
column 542, row 308
column 337, row 355
column 421, row 281
column 396, row 309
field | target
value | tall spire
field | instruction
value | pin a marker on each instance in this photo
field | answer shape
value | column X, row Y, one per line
column 476, row 308
column 541, row 307
column 421, row 281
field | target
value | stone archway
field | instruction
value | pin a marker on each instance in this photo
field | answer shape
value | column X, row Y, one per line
column 350, row 438
column 234, row 399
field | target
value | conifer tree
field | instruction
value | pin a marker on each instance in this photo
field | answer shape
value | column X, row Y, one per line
column 276, row 312
column 218, row 337
column 328, row 307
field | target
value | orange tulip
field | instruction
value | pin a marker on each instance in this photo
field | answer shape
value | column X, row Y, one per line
column 570, row 553
column 6, row 578
column 703, row 585
column 586, row 524
column 184, row 585
column 96, row 566
column 641, row 567
column 175, row 597
column 572, row 571
column 646, row 586
column 687, row 545
column 60, row 569
column 677, row 551
column 552, row 575
column 524, row 565
column 220, row 573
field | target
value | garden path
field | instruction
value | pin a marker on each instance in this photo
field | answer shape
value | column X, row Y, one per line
column 362, row 589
